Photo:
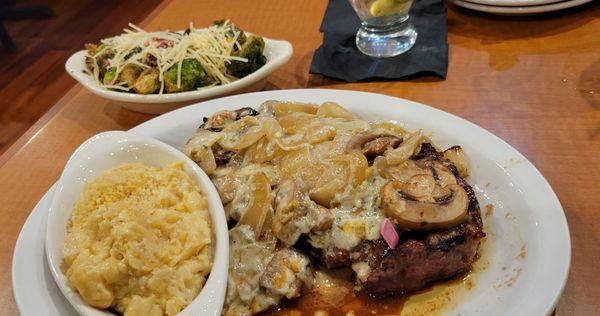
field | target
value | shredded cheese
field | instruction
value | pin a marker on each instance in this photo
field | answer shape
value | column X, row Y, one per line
column 212, row 47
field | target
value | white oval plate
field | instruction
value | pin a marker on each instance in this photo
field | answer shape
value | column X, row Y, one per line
column 528, row 243
column 507, row 10
column 277, row 52
column 110, row 149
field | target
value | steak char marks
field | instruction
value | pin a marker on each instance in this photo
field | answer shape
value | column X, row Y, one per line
column 421, row 257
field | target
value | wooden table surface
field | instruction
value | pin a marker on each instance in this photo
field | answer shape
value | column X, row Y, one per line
column 534, row 82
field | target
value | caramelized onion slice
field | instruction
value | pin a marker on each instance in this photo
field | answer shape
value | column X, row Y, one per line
column 283, row 108
column 290, row 143
column 333, row 180
column 320, row 133
column 226, row 183
column 332, row 109
column 242, row 133
column 325, row 193
column 338, row 173
column 294, row 161
column 259, row 205
column 262, row 151
column 458, row 157
column 199, row 149
column 358, row 168
column 390, row 127
column 411, row 145
column 295, row 122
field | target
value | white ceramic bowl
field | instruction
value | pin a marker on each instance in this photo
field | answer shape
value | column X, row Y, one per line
column 107, row 150
column 277, row 52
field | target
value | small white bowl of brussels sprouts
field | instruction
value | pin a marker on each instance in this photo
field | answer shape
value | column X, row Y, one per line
column 276, row 53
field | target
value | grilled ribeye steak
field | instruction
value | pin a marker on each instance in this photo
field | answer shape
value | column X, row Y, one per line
column 421, row 257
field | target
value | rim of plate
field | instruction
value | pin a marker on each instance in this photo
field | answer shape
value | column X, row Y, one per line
column 533, row 9
column 555, row 225
column 513, row 3
column 278, row 52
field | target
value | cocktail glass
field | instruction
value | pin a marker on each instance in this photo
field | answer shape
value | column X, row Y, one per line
column 386, row 29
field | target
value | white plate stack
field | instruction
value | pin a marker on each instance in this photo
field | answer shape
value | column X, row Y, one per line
column 517, row 7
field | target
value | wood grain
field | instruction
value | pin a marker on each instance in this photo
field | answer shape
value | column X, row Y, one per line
column 532, row 81
column 32, row 79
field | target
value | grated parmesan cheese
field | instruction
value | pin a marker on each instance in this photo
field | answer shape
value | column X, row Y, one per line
column 212, row 47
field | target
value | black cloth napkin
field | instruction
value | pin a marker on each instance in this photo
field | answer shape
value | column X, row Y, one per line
column 338, row 56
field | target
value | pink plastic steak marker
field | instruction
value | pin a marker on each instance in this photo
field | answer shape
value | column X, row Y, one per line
column 389, row 233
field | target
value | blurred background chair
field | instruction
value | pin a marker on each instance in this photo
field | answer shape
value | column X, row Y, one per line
column 8, row 13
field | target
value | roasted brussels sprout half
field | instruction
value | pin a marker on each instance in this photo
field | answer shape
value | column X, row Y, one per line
column 192, row 76
column 109, row 76
column 147, row 82
column 101, row 56
column 252, row 50
column 149, row 60
column 129, row 74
